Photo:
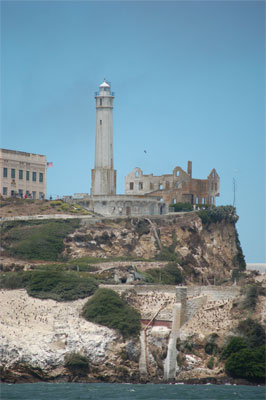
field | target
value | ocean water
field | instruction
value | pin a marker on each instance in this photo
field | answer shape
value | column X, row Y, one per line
column 105, row 391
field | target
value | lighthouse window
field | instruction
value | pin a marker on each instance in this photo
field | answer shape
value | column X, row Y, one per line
column 101, row 102
column 101, row 122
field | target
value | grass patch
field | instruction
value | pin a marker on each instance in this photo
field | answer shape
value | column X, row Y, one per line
column 36, row 240
column 60, row 286
column 56, row 285
column 108, row 309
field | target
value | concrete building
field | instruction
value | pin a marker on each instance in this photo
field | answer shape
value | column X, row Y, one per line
column 177, row 187
column 22, row 173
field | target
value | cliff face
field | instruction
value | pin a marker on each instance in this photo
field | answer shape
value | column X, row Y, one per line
column 203, row 252
column 36, row 335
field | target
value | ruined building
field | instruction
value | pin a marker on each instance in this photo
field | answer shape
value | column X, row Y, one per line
column 178, row 187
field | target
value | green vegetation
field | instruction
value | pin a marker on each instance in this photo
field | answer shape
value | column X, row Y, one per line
column 60, row 286
column 211, row 346
column 235, row 344
column 61, row 206
column 108, row 309
column 210, row 363
column 178, row 207
column 74, row 361
column 248, row 364
column 245, row 354
column 15, row 280
column 56, row 285
column 169, row 253
column 218, row 214
column 251, row 297
column 169, row 275
column 239, row 259
column 37, row 240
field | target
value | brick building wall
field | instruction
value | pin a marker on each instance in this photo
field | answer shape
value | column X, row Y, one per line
column 178, row 187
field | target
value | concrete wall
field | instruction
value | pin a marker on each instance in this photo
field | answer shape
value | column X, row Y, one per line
column 193, row 305
column 213, row 293
column 121, row 205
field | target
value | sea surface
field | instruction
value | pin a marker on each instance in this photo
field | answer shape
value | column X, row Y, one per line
column 105, row 391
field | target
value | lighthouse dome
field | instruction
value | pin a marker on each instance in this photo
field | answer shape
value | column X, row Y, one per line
column 104, row 84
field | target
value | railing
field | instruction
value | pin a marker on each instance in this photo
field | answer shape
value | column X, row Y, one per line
column 109, row 94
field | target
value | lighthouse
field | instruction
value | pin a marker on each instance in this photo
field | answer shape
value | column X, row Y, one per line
column 103, row 176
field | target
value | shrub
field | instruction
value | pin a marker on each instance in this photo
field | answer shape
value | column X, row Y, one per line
column 218, row 214
column 15, row 280
column 253, row 332
column 178, row 207
column 239, row 259
column 40, row 240
column 251, row 297
column 235, row 344
column 169, row 275
column 75, row 361
column 60, row 286
column 210, row 363
column 108, row 309
column 248, row 364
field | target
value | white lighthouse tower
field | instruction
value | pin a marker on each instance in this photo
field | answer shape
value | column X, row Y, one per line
column 103, row 176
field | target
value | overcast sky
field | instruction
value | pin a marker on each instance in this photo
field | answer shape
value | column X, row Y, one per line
column 189, row 83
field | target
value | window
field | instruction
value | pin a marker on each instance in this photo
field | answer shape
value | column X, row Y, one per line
column 101, row 102
column 166, row 185
column 4, row 191
column 13, row 173
column 174, row 201
column 34, row 176
column 131, row 185
column 137, row 174
column 34, row 195
column 20, row 193
column 101, row 122
column 5, row 172
column 20, row 174
column 140, row 185
column 160, row 186
column 40, row 177
column 177, row 173
column 27, row 175
column 151, row 186
column 41, row 196
column 203, row 200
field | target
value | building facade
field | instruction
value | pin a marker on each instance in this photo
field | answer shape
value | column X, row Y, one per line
column 22, row 174
column 178, row 187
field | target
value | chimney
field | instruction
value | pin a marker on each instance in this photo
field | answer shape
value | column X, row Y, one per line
column 189, row 168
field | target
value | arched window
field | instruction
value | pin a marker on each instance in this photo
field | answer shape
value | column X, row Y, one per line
column 137, row 174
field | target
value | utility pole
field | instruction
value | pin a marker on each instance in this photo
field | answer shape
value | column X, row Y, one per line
column 234, row 189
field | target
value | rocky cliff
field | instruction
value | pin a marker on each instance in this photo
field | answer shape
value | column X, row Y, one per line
column 205, row 252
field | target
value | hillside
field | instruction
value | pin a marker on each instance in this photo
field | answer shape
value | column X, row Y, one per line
column 51, row 267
